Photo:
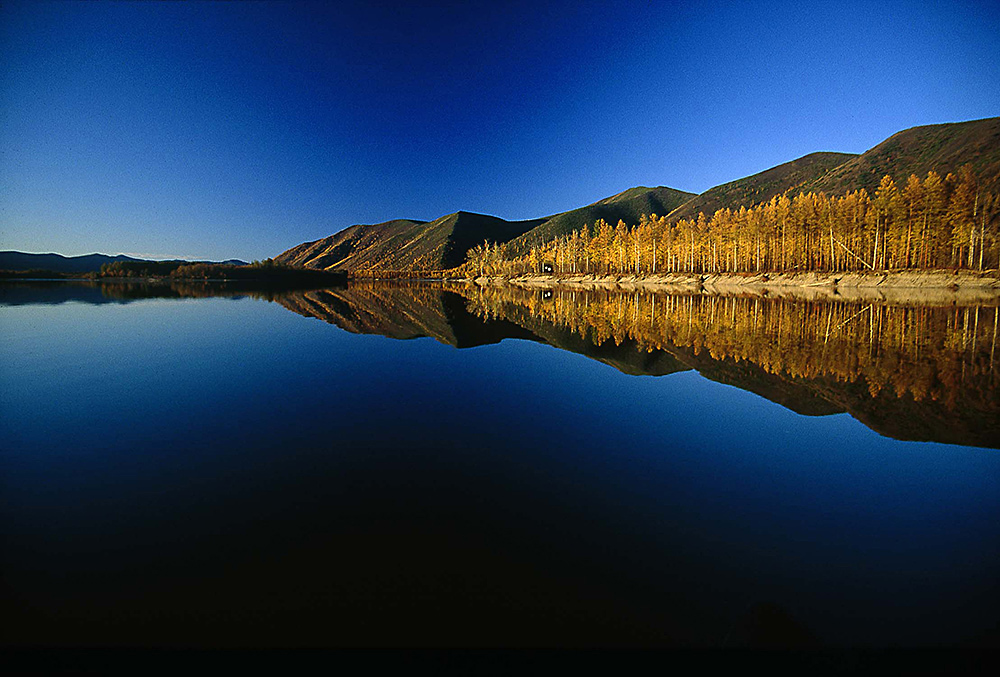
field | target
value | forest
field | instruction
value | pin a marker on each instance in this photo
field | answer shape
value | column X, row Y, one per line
column 931, row 223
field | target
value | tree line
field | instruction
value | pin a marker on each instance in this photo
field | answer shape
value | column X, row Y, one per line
column 934, row 222
column 267, row 271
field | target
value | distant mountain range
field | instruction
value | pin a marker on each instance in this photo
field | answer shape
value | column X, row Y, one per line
column 411, row 245
column 88, row 263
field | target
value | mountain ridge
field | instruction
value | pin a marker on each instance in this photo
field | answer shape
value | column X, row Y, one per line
column 85, row 263
column 917, row 150
column 442, row 243
column 407, row 244
column 762, row 186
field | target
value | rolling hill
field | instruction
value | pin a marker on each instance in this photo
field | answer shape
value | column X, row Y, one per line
column 88, row 263
column 627, row 206
column 408, row 245
column 918, row 150
column 790, row 176
column 404, row 244
column 942, row 148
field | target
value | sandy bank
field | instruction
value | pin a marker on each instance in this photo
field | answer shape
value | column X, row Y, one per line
column 926, row 287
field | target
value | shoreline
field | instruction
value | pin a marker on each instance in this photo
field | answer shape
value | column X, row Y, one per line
column 931, row 286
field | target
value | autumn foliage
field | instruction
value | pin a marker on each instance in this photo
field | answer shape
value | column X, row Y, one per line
column 934, row 222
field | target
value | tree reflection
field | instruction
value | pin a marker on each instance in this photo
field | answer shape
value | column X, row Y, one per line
column 944, row 354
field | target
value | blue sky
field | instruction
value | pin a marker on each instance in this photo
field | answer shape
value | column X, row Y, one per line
column 218, row 130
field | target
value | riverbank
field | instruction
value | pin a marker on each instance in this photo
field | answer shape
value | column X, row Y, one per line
column 930, row 286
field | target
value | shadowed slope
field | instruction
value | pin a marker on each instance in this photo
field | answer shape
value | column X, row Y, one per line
column 941, row 148
column 352, row 247
column 441, row 244
column 627, row 206
column 751, row 190
column 404, row 244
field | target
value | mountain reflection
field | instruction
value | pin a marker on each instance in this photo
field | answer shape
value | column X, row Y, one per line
column 54, row 292
column 925, row 371
column 908, row 371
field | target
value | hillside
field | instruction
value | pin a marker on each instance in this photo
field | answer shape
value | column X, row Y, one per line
column 790, row 176
column 335, row 251
column 88, row 263
column 627, row 206
column 404, row 244
column 942, row 148
column 408, row 245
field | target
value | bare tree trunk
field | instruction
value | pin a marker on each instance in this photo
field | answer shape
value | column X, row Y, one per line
column 982, row 241
column 972, row 231
column 875, row 248
column 832, row 250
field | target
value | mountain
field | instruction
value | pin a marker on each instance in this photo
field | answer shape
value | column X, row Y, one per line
column 404, row 244
column 790, row 176
column 408, row 245
column 941, row 148
column 627, row 206
column 88, row 263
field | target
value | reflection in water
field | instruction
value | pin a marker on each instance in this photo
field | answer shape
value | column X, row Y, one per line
column 51, row 292
column 226, row 473
column 931, row 353
column 907, row 371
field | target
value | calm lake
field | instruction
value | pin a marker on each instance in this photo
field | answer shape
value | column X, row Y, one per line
column 202, row 466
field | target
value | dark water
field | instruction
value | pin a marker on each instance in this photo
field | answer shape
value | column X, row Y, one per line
column 622, row 470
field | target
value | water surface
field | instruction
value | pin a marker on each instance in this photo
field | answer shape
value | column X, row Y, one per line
column 584, row 469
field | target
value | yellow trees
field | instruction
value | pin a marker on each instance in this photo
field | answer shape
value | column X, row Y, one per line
column 533, row 260
column 913, row 199
column 930, row 223
column 666, row 243
column 620, row 242
column 935, row 199
column 888, row 207
column 783, row 214
column 601, row 244
column 988, row 217
column 963, row 210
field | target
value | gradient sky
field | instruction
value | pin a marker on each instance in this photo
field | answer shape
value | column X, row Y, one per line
column 242, row 129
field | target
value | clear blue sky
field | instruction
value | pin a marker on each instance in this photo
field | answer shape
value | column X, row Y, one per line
column 241, row 129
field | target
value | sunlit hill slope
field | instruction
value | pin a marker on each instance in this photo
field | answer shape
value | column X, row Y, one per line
column 410, row 245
